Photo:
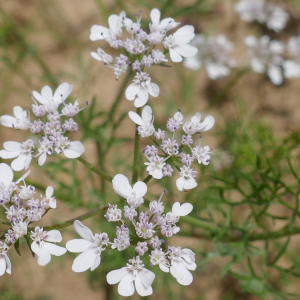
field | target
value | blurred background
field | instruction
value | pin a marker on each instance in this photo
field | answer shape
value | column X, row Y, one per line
column 47, row 42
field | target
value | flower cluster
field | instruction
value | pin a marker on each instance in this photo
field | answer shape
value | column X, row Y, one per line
column 148, row 227
column 22, row 209
column 141, row 49
column 264, row 12
column 51, row 127
column 173, row 152
column 214, row 55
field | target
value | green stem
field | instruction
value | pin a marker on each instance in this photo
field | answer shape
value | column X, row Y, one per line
column 148, row 178
column 4, row 222
column 95, row 170
column 136, row 160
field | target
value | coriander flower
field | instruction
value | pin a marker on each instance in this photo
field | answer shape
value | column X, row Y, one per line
column 19, row 121
column 141, row 87
column 145, row 122
column 187, row 180
column 134, row 195
column 193, row 126
column 133, row 272
column 178, row 210
column 91, row 247
column 5, row 264
column 178, row 43
column 41, row 246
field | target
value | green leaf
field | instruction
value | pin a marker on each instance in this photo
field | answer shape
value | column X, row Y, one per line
column 17, row 246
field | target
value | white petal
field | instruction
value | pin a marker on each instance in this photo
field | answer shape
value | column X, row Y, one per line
column 53, row 236
column 78, row 245
column 7, row 154
column 98, row 32
column 96, row 56
column 125, row 287
column 176, row 208
column 140, row 189
column 62, row 92
column 42, row 159
column 19, row 163
column 116, row 276
column 164, row 268
column 146, row 276
column 141, row 289
column 96, row 262
column 8, row 264
column 141, row 101
column 275, row 75
column 175, row 57
column 43, row 256
column 190, row 266
column 84, row 261
column 147, row 115
column 121, row 185
column 178, row 116
column 207, row 124
column 155, row 15
column 180, row 183
column 190, row 184
column 18, row 112
column 47, row 93
column 153, row 90
column 49, row 191
column 169, row 23
column 38, row 97
column 83, row 231
column 135, row 118
column 157, row 174
column 185, row 34
column 2, row 266
column 54, row 249
column 185, row 209
column 113, row 22
column 131, row 91
column 196, row 118
column 186, row 50
column 6, row 174
column 179, row 271
column 8, row 121
column 74, row 150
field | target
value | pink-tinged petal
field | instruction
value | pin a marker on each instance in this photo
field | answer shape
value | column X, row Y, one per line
column 83, row 231
column 157, row 174
column 185, row 34
column 155, row 15
column 121, row 185
column 175, row 57
column 62, row 92
column 125, row 287
column 98, row 32
column 42, row 159
column 38, row 97
column 47, row 93
column 113, row 22
column 140, row 189
column 176, row 208
column 84, row 261
column 141, row 289
column 2, row 265
column 275, row 75
column 49, row 191
column 19, row 163
column 164, row 268
column 96, row 56
column 186, row 50
column 53, row 236
column 96, row 262
column 207, row 124
column 78, row 245
column 6, row 174
column 74, row 150
column 146, row 276
column 153, row 89
column 180, row 183
column 54, row 249
column 132, row 91
column 147, row 114
column 8, row 264
column 8, row 121
column 18, row 112
column 7, row 154
column 116, row 276
column 185, row 209
column 135, row 118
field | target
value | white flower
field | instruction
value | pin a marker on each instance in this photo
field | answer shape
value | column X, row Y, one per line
column 158, row 257
column 91, row 247
column 19, row 121
column 178, row 211
column 187, row 180
column 101, row 55
column 193, row 126
column 5, row 264
column 134, row 272
column 201, row 154
column 161, row 25
column 48, row 200
column 178, row 43
column 134, row 195
column 155, row 166
column 182, row 260
column 50, row 101
column 41, row 246
column 141, row 87
column 145, row 122
column 23, row 152
column 6, row 178
column 114, row 31
column 291, row 69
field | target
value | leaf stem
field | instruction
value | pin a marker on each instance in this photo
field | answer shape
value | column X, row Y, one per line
column 136, row 159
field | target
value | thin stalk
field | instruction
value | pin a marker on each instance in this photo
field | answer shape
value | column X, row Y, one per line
column 95, row 170
column 148, row 178
column 136, row 160
column 4, row 222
